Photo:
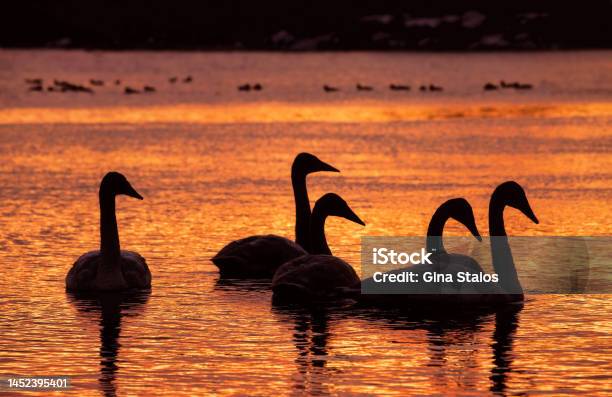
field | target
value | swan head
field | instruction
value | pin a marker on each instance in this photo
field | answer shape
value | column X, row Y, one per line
column 306, row 163
column 334, row 205
column 514, row 196
column 460, row 210
column 116, row 184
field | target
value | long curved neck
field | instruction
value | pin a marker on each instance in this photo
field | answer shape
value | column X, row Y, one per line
column 302, row 208
column 109, row 235
column 318, row 242
column 503, row 262
column 435, row 230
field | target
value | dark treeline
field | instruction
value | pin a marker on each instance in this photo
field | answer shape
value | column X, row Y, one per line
column 308, row 25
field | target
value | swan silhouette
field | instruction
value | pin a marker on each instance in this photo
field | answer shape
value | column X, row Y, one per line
column 508, row 194
column 443, row 262
column 259, row 256
column 508, row 289
column 460, row 210
column 110, row 268
column 319, row 275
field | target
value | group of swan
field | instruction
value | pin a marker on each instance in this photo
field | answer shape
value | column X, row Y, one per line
column 306, row 269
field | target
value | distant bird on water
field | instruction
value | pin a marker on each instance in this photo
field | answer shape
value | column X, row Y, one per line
column 489, row 87
column 148, row 88
column 110, row 268
column 188, row 79
column 244, row 87
column 65, row 86
column 96, row 82
column 524, row 86
column 433, row 88
column 516, row 85
column 328, row 88
column 130, row 91
column 399, row 87
column 173, row 80
column 257, row 87
column 363, row 87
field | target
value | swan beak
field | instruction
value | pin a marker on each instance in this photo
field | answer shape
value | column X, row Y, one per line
column 133, row 193
column 323, row 166
column 351, row 216
column 474, row 229
column 529, row 214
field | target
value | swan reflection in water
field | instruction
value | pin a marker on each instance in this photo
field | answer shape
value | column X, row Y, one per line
column 445, row 329
column 109, row 308
column 445, row 332
column 311, row 336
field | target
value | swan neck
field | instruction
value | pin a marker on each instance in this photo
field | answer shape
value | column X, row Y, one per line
column 435, row 230
column 496, row 216
column 109, row 234
column 302, row 209
column 501, row 254
column 318, row 241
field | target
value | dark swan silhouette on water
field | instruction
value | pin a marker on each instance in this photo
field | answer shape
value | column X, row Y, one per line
column 110, row 268
column 259, row 256
column 509, row 289
column 458, row 209
column 318, row 275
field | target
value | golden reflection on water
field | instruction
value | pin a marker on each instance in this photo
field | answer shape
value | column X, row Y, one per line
column 210, row 176
column 275, row 112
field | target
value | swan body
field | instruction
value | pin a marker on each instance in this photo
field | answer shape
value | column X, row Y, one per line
column 320, row 275
column 110, row 268
column 256, row 256
column 442, row 261
column 260, row 256
column 313, row 277
column 89, row 273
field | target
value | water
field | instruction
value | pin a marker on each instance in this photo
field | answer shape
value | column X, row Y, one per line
column 213, row 165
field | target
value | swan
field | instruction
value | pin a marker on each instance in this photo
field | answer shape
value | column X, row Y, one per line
column 508, row 194
column 110, row 268
column 259, row 256
column 460, row 210
column 319, row 275
column 443, row 262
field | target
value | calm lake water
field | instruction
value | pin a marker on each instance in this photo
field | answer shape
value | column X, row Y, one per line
column 213, row 165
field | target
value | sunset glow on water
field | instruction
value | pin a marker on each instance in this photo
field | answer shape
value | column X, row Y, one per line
column 213, row 165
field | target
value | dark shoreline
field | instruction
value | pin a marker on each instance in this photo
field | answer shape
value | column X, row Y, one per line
column 339, row 25
column 285, row 51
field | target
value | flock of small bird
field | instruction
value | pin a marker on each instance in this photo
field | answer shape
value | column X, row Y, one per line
column 504, row 85
column 37, row 85
column 392, row 87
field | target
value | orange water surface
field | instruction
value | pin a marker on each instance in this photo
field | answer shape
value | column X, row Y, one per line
column 214, row 166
